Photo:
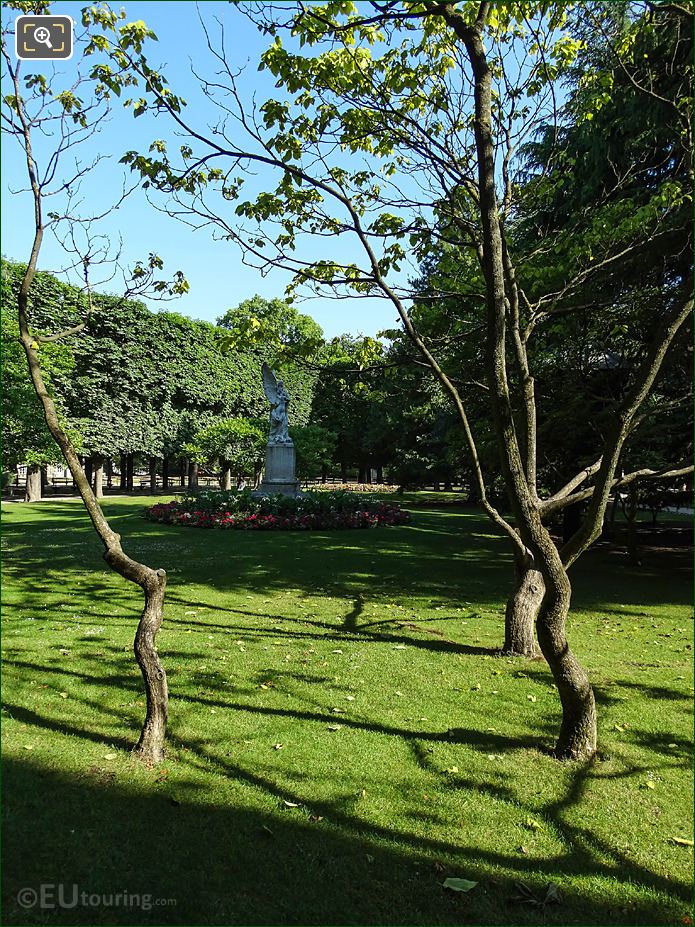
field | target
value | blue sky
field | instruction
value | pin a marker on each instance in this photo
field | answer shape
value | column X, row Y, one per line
column 218, row 278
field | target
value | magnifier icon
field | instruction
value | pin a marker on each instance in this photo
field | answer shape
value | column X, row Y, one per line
column 43, row 35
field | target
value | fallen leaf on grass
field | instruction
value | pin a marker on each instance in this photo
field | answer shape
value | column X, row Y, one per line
column 338, row 711
column 28, row 747
column 110, row 756
column 534, row 825
column 459, row 885
column 63, row 694
column 334, row 727
column 453, row 769
column 682, row 841
column 290, row 804
column 531, row 698
column 649, row 784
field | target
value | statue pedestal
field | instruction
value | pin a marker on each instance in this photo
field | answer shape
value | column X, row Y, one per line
column 279, row 475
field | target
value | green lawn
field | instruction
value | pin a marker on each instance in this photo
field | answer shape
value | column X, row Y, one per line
column 342, row 737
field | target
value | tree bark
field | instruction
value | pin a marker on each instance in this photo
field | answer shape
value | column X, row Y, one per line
column 192, row 475
column 130, row 466
column 577, row 738
column 108, row 467
column 226, row 475
column 324, row 473
column 165, row 472
column 88, row 468
column 32, row 493
column 522, row 609
column 153, row 473
column 123, row 480
column 183, row 469
column 98, row 475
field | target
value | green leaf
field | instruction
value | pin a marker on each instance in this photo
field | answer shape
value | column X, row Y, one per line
column 459, row 885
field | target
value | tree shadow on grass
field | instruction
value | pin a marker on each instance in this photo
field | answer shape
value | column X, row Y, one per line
column 303, row 862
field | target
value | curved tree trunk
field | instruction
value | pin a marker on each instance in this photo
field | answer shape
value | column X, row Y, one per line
column 150, row 746
column 522, row 609
column 577, row 738
column 32, row 493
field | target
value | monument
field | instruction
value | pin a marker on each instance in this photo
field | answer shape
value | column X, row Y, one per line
column 280, row 462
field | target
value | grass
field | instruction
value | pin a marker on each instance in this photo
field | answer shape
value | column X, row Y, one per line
column 342, row 737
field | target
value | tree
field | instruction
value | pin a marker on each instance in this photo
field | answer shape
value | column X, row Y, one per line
column 70, row 115
column 238, row 444
column 407, row 89
column 314, row 446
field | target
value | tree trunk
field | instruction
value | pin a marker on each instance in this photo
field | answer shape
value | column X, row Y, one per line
column 124, row 472
column 380, row 474
column 522, row 609
column 343, row 472
column 153, row 473
column 98, row 475
column 324, row 473
column 183, row 469
column 44, row 480
column 362, row 475
column 108, row 467
column 32, row 492
column 130, row 466
column 165, row 473
column 88, row 469
column 226, row 476
column 192, row 475
column 630, row 510
column 150, row 746
column 577, row 738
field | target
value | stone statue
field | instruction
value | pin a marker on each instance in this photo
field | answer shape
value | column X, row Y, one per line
column 279, row 400
column 280, row 459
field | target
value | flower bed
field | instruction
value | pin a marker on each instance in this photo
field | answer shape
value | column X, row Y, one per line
column 311, row 511
column 354, row 487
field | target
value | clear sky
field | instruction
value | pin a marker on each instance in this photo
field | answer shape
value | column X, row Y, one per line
column 218, row 278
